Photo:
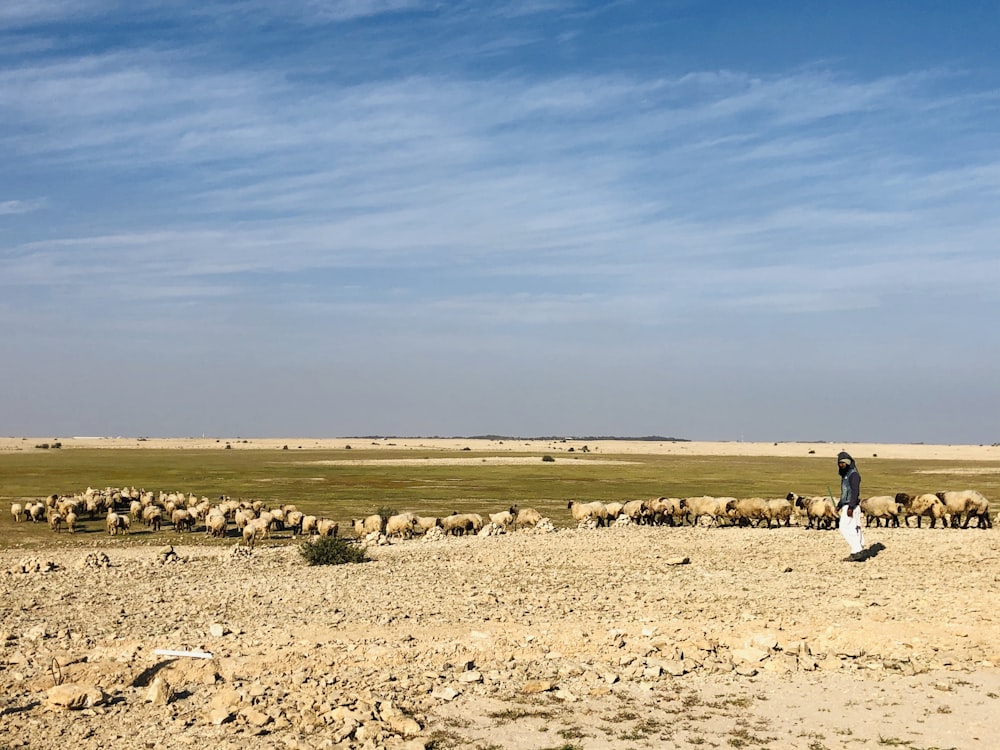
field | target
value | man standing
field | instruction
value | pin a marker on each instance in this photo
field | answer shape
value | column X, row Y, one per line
column 850, row 514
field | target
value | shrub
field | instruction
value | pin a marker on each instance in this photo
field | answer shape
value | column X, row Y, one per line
column 548, row 459
column 329, row 550
column 386, row 512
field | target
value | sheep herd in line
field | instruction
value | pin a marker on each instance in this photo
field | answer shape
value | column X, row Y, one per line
column 255, row 520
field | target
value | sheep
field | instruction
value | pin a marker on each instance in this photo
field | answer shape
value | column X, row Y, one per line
column 614, row 510
column 970, row 503
column 712, row 507
column 667, row 510
column 56, row 521
column 880, row 508
column 182, row 519
column 17, row 510
column 820, row 511
column 293, row 521
column 365, row 526
column 310, row 525
column 505, row 518
column 637, row 510
column 582, row 512
column 779, row 509
column 216, row 524
column 115, row 523
column 462, row 523
column 400, row 525
column 253, row 531
column 36, row 511
column 423, row 524
column 71, row 522
column 327, row 527
column 527, row 517
column 747, row 510
column 922, row 505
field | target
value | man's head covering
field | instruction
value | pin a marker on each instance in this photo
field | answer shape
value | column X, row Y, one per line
column 845, row 457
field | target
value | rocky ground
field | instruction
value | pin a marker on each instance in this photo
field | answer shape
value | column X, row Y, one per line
column 628, row 637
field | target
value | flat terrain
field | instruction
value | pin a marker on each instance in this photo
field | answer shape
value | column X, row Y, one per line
column 621, row 637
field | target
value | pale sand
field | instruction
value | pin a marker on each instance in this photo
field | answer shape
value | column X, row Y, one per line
column 595, row 448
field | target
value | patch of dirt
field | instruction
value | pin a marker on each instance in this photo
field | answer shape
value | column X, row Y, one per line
column 579, row 638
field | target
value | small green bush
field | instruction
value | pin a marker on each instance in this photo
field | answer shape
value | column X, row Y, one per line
column 548, row 459
column 329, row 550
column 386, row 512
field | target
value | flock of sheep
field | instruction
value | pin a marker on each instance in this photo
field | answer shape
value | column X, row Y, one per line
column 952, row 508
column 254, row 520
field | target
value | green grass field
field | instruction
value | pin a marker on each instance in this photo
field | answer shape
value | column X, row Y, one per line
column 316, row 483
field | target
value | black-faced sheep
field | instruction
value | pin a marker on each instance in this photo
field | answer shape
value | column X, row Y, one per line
column 365, row 526
column 666, row 510
column 747, row 511
column 922, row 505
column 637, row 511
column 967, row 503
column 820, row 512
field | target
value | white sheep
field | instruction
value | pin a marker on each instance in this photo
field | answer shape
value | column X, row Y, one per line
column 666, row 510
column 880, row 508
column 327, row 527
column 253, row 532
column 182, row 519
column 637, row 511
column 706, row 506
column 35, row 511
column 504, row 519
column 71, row 522
column 820, row 512
column 527, row 517
column 400, row 525
column 748, row 510
column 779, row 509
column 424, row 524
column 216, row 523
column 596, row 511
column 310, row 525
column 968, row 503
column 56, row 520
column 614, row 510
column 462, row 523
column 17, row 510
column 368, row 525
column 922, row 505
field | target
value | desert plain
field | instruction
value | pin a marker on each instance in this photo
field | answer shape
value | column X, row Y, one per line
column 621, row 637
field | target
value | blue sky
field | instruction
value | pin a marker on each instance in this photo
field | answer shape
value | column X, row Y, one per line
column 710, row 220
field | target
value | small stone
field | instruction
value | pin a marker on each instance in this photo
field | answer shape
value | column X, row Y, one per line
column 750, row 655
column 255, row 718
column 160, row 693
column 469, row 677
column 217, row 630
column 404, row 725
column 538, row 686
column 446, row 694
column 75, row 697
column 219, row 716
column 677, row 561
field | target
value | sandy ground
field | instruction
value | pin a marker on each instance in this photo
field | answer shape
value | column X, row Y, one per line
column 580, row 638
column 599, row 447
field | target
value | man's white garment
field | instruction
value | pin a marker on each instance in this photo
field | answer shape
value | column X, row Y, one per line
column 850, row 529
